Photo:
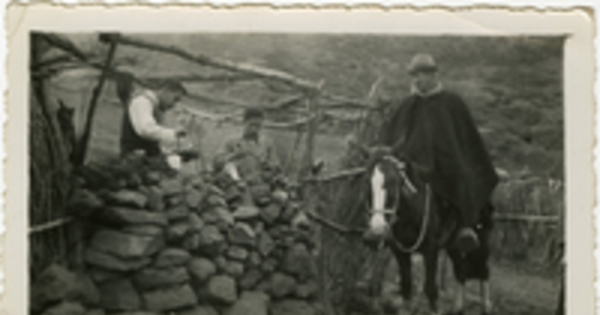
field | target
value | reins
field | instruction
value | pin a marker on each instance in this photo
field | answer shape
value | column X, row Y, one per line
column 400, row 168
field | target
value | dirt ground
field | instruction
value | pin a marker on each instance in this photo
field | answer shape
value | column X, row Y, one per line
column 516, row 289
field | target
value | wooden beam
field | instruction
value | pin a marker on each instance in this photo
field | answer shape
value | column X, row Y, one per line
column 78, row 157
column 50, row 225
column 337, row 175
column 236, row 119
column 202, row 78
column 214, row 62
column 333, row 225
column 526, row 217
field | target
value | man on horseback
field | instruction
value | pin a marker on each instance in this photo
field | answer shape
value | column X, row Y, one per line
column 432, row 130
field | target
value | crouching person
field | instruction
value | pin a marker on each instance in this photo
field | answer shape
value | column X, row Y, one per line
column 247, row 158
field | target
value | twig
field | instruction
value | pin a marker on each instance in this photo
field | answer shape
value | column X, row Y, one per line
column 338, row 175
column 333, row 225
column 524, row 217
column 211, row 61
column 50, row 225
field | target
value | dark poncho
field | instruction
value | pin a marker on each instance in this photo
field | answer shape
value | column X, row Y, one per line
column 438, row 137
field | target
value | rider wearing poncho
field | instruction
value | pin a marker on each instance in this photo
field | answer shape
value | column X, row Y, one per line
column 433, row 130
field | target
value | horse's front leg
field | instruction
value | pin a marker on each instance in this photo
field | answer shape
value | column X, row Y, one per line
column 431, row 268
column 405, row 268
column 486, row 302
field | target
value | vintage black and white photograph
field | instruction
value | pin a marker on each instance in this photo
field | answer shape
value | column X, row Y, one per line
column 280, row 173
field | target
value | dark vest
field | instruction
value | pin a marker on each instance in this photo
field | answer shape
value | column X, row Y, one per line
column 131, row 141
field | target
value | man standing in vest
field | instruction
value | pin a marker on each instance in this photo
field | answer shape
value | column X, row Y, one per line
column 141, row 130
column 433, row 130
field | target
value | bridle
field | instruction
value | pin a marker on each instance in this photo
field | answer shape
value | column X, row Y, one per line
column 400, row 168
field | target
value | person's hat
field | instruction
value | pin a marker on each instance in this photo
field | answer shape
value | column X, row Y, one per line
column 421, row 62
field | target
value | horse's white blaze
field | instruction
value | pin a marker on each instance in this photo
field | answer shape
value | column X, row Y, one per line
column 378, row 223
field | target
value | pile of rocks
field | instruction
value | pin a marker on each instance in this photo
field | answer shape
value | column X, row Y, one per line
column 198, row 246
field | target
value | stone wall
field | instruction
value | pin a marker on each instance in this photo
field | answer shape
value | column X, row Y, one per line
column 163, row 243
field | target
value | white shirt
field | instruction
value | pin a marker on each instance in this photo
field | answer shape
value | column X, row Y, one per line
column 141, row 114
column 145, row 125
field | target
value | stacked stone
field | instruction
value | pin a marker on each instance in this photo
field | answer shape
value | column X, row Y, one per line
column 196, row 246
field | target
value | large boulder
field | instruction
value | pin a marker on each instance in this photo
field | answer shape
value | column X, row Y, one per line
column 101, row 275
column 133, row 216
column 193, row 198
column 169, row 299
column 191, row 242
column 177, row 212
column 221, row 289
column 119, row 295
column 237, row 253
column 66, row 308
column 196, row 223
column 246, row 212
column 155, row 202
column 234, row 269
column 151, row 177
column 265, row 244
column 215, row 200
column 254, row 259
column 224, row 215
column 200, row 310
column 298, row 261
column 153, row 278
column 269, row 265
column 307, row 290
column 175, row 200
column 282, row 285
column 271, row 213
column 170, row 257
column 289, row 211
column 84, row 203
column 250, row 279
column 56, row 284
column 201, row 269
column 261, row 193
column 111, row 262
column 291, row 307
column 178, row 230
column 171, row 186
column 250, row 303
column 96, row 311
column 210, row 240
column 242, row 234
column 144, row 230
column 127, row 198
column 126, row 245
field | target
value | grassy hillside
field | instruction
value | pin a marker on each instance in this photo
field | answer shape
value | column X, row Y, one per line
column 512, row 85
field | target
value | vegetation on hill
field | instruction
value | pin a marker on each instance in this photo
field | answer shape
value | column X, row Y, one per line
column 513, row 85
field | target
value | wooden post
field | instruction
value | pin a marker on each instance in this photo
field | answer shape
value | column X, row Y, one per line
column 81, row 146
column 308, row 158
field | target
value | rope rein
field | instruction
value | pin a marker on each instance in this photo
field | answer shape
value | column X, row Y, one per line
column 400, row 168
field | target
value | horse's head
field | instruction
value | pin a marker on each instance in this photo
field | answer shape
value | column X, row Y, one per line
column 388, row 182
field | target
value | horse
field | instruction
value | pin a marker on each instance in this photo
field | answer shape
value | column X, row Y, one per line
column 408, row 217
